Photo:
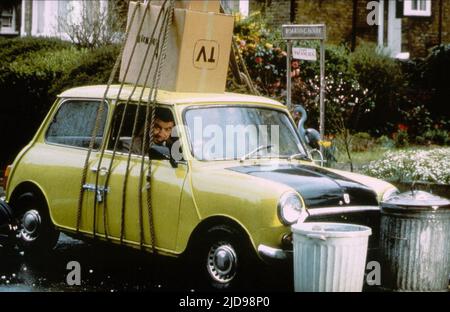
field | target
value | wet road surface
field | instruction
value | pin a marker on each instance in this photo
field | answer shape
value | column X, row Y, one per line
column 111, row 269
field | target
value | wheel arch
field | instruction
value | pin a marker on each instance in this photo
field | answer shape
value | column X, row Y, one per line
column 218, row 221
column 31, row 188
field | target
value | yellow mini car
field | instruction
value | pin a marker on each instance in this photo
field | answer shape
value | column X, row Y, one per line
column 229, row 182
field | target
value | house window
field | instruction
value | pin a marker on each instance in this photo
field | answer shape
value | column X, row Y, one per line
column 230, row 6
column 63, row 15
column 8, row 21
column 417, row 7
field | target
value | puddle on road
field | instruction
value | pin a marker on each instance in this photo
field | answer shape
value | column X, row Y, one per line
column 103, row 269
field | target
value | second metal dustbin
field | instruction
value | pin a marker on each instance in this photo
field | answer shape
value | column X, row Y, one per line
column 415, row 242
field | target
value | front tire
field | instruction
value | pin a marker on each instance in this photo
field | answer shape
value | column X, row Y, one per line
column 224, row 259
column 37, row 234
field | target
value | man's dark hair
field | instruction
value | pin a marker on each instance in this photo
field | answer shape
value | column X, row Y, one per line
column 164, row 114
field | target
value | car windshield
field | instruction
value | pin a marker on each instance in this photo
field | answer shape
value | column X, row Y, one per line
column 227, row 133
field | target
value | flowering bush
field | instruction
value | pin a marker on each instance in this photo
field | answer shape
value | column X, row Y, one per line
column 345, row 101
column 267, row 66
column 367, row 90
column 413, row 165
column 265, row 61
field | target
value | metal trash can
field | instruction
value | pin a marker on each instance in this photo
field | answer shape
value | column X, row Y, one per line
column 415, row 242
column 329, row 257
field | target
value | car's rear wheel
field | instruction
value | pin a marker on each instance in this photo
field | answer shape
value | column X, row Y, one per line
column 224, row 259
column 36, row 232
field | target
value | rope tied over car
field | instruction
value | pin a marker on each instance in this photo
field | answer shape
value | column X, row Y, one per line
column 166, row 13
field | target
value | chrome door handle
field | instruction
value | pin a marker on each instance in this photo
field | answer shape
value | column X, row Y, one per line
column 100, row 191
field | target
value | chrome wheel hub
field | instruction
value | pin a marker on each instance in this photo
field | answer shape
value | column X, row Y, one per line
column 31, row 224
column 222, row 262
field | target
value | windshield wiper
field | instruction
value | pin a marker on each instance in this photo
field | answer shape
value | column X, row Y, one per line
column 300, row 156
column 262, row 147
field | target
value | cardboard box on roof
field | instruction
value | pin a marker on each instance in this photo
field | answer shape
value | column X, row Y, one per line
column 197, row 55
column 195, row 5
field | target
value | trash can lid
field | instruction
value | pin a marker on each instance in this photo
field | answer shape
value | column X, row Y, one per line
column 331, row 230
column 416, row 201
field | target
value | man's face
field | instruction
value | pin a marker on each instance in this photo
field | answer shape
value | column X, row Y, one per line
column 162, row 131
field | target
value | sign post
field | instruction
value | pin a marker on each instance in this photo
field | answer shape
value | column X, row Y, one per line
column 289, row 75
column 306, row 32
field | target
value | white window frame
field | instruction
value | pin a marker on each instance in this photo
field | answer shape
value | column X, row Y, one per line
column 10, row 30
column 236, row 6
column 408, row 9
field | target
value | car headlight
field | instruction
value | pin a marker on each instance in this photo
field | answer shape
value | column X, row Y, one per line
column 389, row 193
column 289, row 208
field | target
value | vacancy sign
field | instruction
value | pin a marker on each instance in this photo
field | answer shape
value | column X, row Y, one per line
column 304, row 54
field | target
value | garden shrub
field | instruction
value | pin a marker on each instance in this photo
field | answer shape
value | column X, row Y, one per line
column 367, row 90
column 28, row 66
column 94, row 69
column 436, row 136
column 10, row 49
column 32, row 72
column 265, row 60
column 362, row 142
column 385, row 142
column 346, row 100
column 401, row 138
column 414, row 165
column 418, row 119
column 46, row 63
column 383, row 78
column 435, row 72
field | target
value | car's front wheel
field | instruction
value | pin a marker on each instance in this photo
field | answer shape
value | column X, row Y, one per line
column 224, row 259
column 36, row 231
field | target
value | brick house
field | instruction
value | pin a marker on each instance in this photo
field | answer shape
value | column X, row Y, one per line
column 43, row 17
column 403, row 27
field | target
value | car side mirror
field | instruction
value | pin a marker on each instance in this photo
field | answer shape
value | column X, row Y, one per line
column 162, row 152
column 312, row 138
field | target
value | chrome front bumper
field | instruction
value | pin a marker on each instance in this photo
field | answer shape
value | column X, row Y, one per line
column 270, row 253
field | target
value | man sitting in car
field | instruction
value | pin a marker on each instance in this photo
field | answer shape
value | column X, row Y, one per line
column 162, row 131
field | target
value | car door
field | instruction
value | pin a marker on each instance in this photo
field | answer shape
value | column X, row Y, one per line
column 119, row 209
column 59, row 160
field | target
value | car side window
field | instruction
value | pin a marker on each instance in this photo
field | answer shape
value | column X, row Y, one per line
column 74, row 122
column 163, row 119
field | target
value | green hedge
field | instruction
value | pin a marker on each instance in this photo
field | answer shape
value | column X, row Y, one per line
column 32, row 72
column 384, row 80
column 10, row 49
column 94, row 69
column 436, row 69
